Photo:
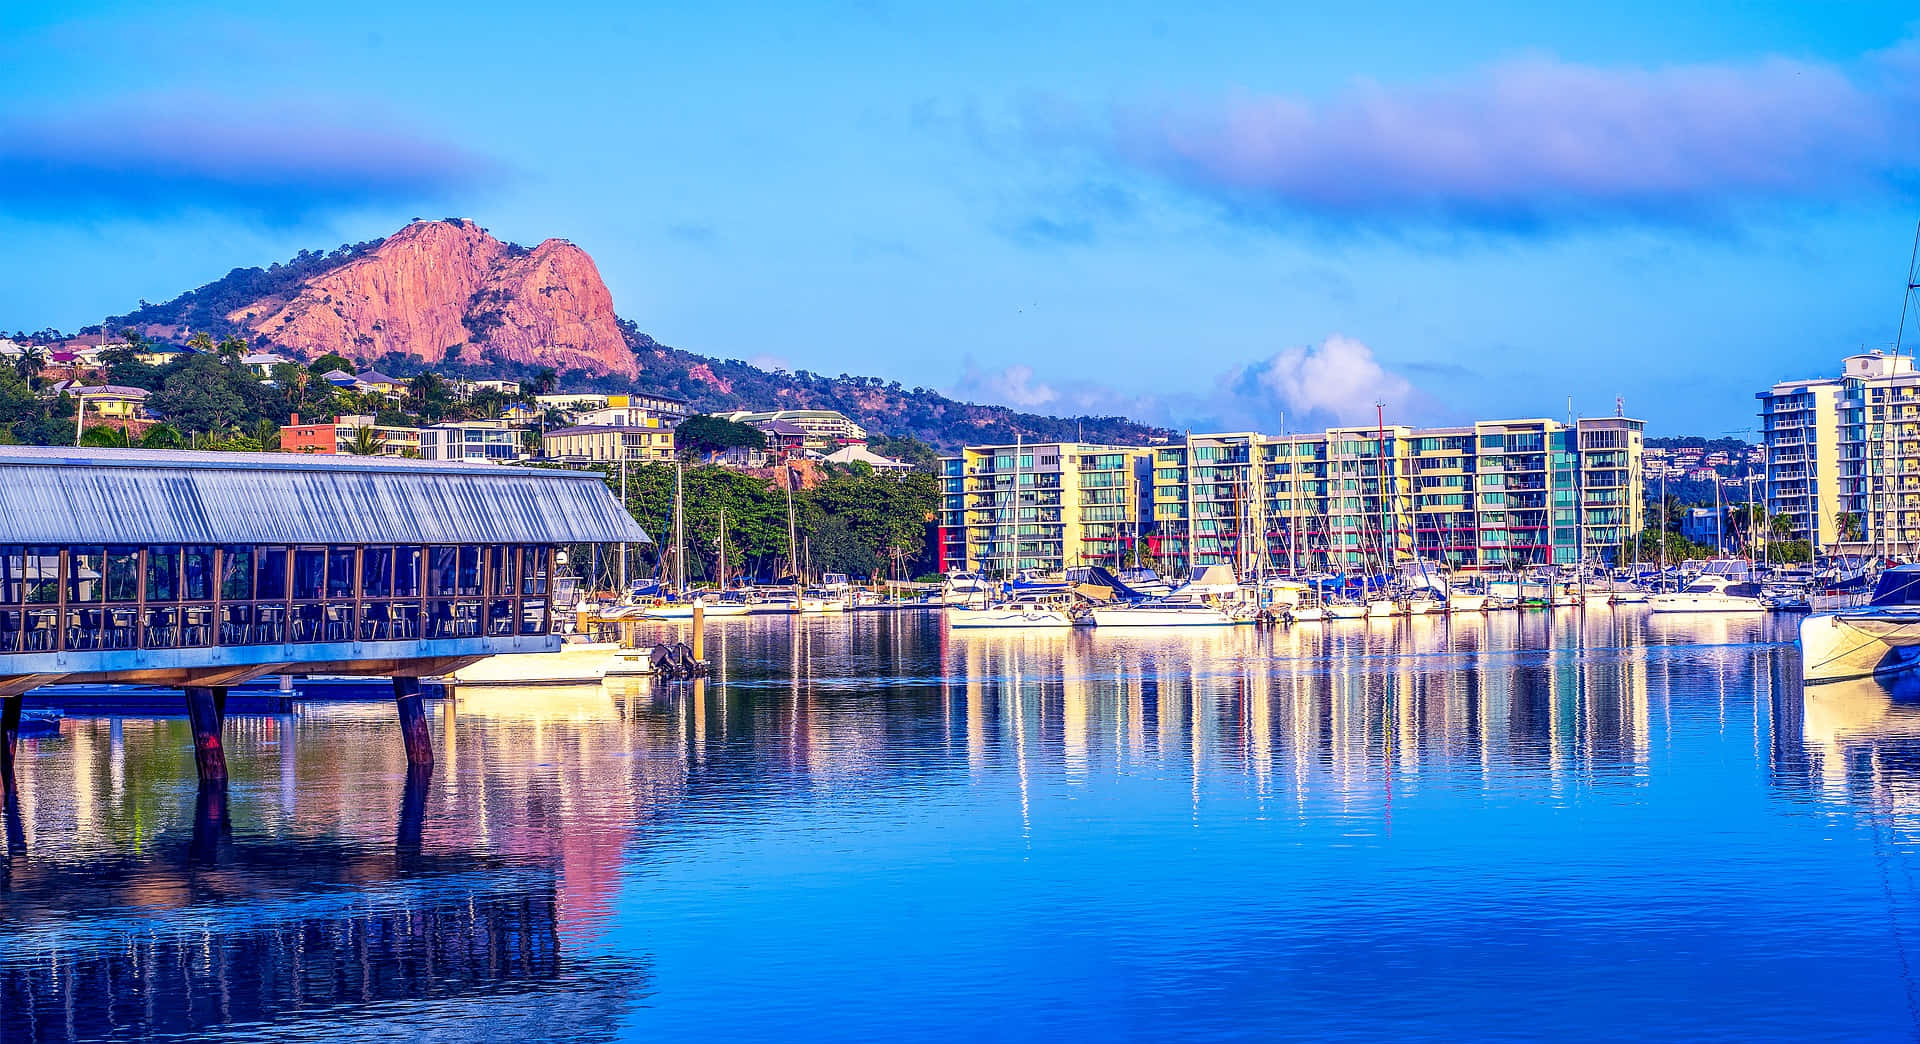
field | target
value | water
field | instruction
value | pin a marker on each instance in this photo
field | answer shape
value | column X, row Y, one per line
column 1524, row 827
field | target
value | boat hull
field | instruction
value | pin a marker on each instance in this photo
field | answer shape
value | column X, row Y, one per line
column 1466, row 603
column 685, row 612
column 577, row 663
column 964, row 619
column 1310, row 614
column 1346, row 612
column 1843, row 646
column 1148, row 617
column 1705, row 603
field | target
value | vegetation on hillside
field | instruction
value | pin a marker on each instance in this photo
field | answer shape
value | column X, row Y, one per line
column 711, row 385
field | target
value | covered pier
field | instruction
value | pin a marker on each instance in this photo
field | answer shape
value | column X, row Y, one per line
column 198, row 571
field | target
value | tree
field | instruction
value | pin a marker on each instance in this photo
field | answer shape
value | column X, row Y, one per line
column 105, row 436
column 328, row 363
column 205, row 394
column 699, row 436
column 1848, row 522
column 907, row 450
column 366, row 442
column 545, row 381
column 162, row 436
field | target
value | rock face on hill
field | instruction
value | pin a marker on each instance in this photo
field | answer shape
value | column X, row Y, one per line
column 446, row 291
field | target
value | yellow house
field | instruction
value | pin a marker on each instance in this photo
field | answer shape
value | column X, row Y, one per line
column 110, row 401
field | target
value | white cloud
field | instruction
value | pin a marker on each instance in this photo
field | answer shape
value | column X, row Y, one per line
column 1336, row 381
column 1012, row 386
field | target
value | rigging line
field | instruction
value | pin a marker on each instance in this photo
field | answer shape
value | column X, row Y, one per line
column 1906, row 296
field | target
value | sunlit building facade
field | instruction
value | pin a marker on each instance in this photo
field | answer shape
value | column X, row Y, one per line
column 1041, row 506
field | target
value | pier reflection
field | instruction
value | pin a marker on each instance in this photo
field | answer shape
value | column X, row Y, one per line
column 332, row 889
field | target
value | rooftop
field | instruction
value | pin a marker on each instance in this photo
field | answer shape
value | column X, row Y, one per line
column 59, row 495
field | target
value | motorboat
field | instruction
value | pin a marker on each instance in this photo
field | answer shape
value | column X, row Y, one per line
column 1175, row 610
column 1466, row 602
column 1423, row 603
column 577, row 663
column 1381, row 607
column 1711, row 593
column 1208, row 600
column 1879, row 638
column 1020, row 612
column 1346, row 610
column 966, row 589
column 717, row 609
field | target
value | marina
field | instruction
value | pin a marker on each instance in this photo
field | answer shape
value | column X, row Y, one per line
column 846, row 793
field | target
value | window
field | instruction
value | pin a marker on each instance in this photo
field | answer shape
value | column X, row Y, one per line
column 406, row 572
column 123, row 574
column 441, row 563
column 270, row 574
column 196, row 574
column 309, row 573
column 376, row 572
column 236, row 575
column 163, row 574
column 84, row 574
column 339, row 572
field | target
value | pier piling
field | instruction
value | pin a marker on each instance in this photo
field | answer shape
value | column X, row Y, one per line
column 205, row 711
column 699, row 631
column 9, row 738
column 413, row 722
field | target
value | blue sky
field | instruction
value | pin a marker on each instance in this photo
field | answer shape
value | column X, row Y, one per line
column 1199, row 215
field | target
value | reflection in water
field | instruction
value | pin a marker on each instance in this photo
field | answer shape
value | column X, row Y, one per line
column 1504, row 825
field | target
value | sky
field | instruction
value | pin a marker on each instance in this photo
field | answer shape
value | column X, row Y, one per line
column 1198, row 215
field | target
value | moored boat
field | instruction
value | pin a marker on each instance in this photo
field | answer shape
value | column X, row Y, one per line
column 1710, row 593
column 1879, row 638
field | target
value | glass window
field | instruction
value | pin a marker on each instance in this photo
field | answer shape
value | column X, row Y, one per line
column 123, row 574
column 196, row 574
column 84, row 576
column 376, row 572
column 406, row 572
column 533, row 576
column 236, row 581
column 163, row 575
column 12, row 572
column 339, row 572
column 440, row 570
column 309, row 573
column 499, row 571
column 469, row 577
column 270, row 574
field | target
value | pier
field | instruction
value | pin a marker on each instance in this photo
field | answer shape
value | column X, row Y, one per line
column 199, row 571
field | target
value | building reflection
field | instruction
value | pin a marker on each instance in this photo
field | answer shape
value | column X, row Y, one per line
column 501, row 876
column 197, row 930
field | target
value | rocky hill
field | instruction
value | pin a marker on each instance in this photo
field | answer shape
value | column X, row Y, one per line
column 448, row 296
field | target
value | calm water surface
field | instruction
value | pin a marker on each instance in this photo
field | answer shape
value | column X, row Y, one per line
column 1531, row 826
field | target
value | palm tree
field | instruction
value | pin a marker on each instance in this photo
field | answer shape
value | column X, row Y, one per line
column 366, row 442
column 530, row 442
column 267, row 433
column 545, row 381
column 102, row 435
column 161, row 436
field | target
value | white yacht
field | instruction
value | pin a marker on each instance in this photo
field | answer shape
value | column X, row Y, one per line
column 1023, row 612
column 966, row 589
column 1208, row 600
column 1879, row 638
column 577, row 663
column 717, row 609
column 1175, row 610
column 1710, row 593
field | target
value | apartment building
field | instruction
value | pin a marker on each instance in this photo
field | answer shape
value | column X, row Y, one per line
column 1843, row 454
column 1490, row 495
column 1042, row 506
column 610, row 442
column 482, row 440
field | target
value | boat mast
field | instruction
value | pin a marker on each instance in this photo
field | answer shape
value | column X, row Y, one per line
column 679, row 527
column 723, row 550
column 793, row 540
column 623, row 507
column 1380, row 447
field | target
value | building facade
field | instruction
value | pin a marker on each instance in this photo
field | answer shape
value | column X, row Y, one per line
column 1843, row 455
column 484, row 440
column 826, row 430
column 1490, row 495
column 1045, row 506
column 609, row 442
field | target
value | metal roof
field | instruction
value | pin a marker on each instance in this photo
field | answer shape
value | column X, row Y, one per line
column 55, row 495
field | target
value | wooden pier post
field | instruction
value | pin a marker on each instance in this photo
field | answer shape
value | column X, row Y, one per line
column 205, row 711
column 413, row 811
column 413, row 722
column 9, row 738
column 699, row 631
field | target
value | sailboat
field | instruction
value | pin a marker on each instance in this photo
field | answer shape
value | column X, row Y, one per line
column 684, row 610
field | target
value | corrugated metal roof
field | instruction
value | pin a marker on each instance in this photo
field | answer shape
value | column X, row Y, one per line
column 120, row 496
